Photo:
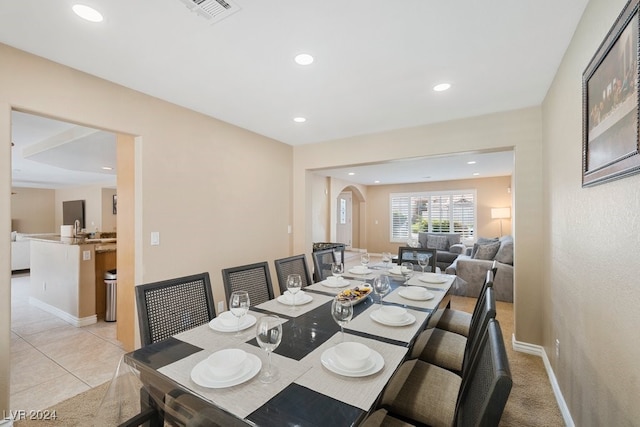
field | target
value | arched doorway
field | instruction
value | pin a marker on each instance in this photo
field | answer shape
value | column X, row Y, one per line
column 349, row 218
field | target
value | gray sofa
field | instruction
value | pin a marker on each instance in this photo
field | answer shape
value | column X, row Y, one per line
column 447, row 246
column 471, row 269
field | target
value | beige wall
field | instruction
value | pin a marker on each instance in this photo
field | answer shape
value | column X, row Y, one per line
column 218, row 195
column 32, row 210
column 109, row 222
column 591, row 289
column 519, row 130
column 490, row 192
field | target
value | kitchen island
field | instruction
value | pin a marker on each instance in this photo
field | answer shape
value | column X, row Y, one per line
column 63, row 275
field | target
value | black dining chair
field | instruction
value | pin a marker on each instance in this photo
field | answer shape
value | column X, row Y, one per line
column 425, row 394
column 253, row 278
column 322, row 261
column 453, row 351
column 409, row 254
column 171, row 306
column 296, row 264
column 459, row 321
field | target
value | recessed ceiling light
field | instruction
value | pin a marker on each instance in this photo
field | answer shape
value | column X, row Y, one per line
column 441, row 87
column 471, row 162
column 376, row 182
column 88, row 13
column 351, row 173
column 107, row 168
column 303, row 59
column 299, row 119
column 476, row 173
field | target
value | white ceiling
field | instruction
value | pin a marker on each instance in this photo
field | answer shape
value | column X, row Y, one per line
column 375, row 61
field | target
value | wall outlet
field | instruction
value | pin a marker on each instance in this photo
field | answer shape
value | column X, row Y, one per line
column 220, row 306
column 557, row 348
column 86, row 255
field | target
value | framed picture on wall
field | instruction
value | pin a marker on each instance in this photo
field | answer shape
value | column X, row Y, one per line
column 610, row 104
column 115, row 204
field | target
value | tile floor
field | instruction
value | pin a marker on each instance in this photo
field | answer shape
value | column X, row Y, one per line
column 52, row 360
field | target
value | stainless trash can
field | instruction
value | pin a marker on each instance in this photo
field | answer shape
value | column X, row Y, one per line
column 110, row 281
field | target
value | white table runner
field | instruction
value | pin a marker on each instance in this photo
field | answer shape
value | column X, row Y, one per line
column 364, row 323
column 286, row 310
column 319, row 287
column 431, row 304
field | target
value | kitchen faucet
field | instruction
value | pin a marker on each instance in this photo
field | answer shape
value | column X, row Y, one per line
column 76, row 228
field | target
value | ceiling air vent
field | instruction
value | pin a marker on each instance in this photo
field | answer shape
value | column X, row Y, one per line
column 212, row 10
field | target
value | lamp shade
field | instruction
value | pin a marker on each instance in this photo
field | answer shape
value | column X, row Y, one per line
column 500, row 213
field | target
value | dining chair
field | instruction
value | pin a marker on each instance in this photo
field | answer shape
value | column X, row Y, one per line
column 409, row 254
column 425, row 394
column 453, row 351
column 459, row 321
column 322, row 261
column 171, row 306
column 253, row 278
column 296, row 264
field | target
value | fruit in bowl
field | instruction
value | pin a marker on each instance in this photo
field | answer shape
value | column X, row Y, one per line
column 355, row 294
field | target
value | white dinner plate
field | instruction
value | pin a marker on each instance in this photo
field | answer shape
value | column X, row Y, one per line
column 408, row 319
column 246, row 322
column 201, row 375
column 408, row 295
column 330, row 361
column 300, row 299
column 339, row 284
column 432, row 278
column 360, row 272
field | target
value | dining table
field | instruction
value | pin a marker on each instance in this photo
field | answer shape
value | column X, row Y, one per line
column 310, row 389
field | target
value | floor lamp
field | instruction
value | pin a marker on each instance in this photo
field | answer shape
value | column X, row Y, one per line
column 500, row 213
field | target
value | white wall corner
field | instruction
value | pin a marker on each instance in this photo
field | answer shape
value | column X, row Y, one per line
column 537, row 350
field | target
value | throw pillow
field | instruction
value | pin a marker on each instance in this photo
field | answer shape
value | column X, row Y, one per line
column 438, row 242
column 482, row 241
column 505, row 253
column 487, row 251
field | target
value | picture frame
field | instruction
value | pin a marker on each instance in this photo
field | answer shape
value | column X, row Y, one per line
column 610, row 104
column 115, row 204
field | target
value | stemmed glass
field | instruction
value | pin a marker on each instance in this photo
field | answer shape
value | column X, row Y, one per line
column 364, row 259
column 342, row 312
column 381, row 286
column 423, row 261
column 239, row 305
column 337, row 269
column 294, row 284
column 386, row 259
column 407, row 270
column 269, row 336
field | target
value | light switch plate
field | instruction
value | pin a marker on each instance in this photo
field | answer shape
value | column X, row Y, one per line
column 155, row 238
column 86, row 255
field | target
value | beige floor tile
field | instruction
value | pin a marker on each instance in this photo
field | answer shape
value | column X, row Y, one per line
column 24, row 329
column 19, row 344
column 87, row 348
column 47, row 393
column 30, row 368
column 53, row 335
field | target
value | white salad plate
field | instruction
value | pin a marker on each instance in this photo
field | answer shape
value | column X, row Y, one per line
column 404, row 293
column 407, row 320
column 201, row 374
column 361, row 272
column 300, row 299
column 432, row 278
column 373, row 365
column 337, row 284
column 217, row 323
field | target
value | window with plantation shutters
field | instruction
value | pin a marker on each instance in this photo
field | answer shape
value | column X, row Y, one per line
column 439, row 212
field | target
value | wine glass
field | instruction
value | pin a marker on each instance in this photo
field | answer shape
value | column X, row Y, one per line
column 381, row 286
column 407, row 270
column 239, row 305
column 364, row 260
column 269, row 335
column 337, row 269
column 294, row 283
column 386, row 259
column 423, row 261
column 342, row 312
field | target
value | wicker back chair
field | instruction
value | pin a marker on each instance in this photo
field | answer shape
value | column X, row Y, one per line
column 171, row 306
column 409, row 254
column 253, row 278
column 296, row 264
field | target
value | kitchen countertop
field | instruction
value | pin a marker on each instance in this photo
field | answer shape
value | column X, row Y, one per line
column 103, row 245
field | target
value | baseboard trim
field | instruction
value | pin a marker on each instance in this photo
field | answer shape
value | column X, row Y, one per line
column 75, row 321
column 538, row 350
